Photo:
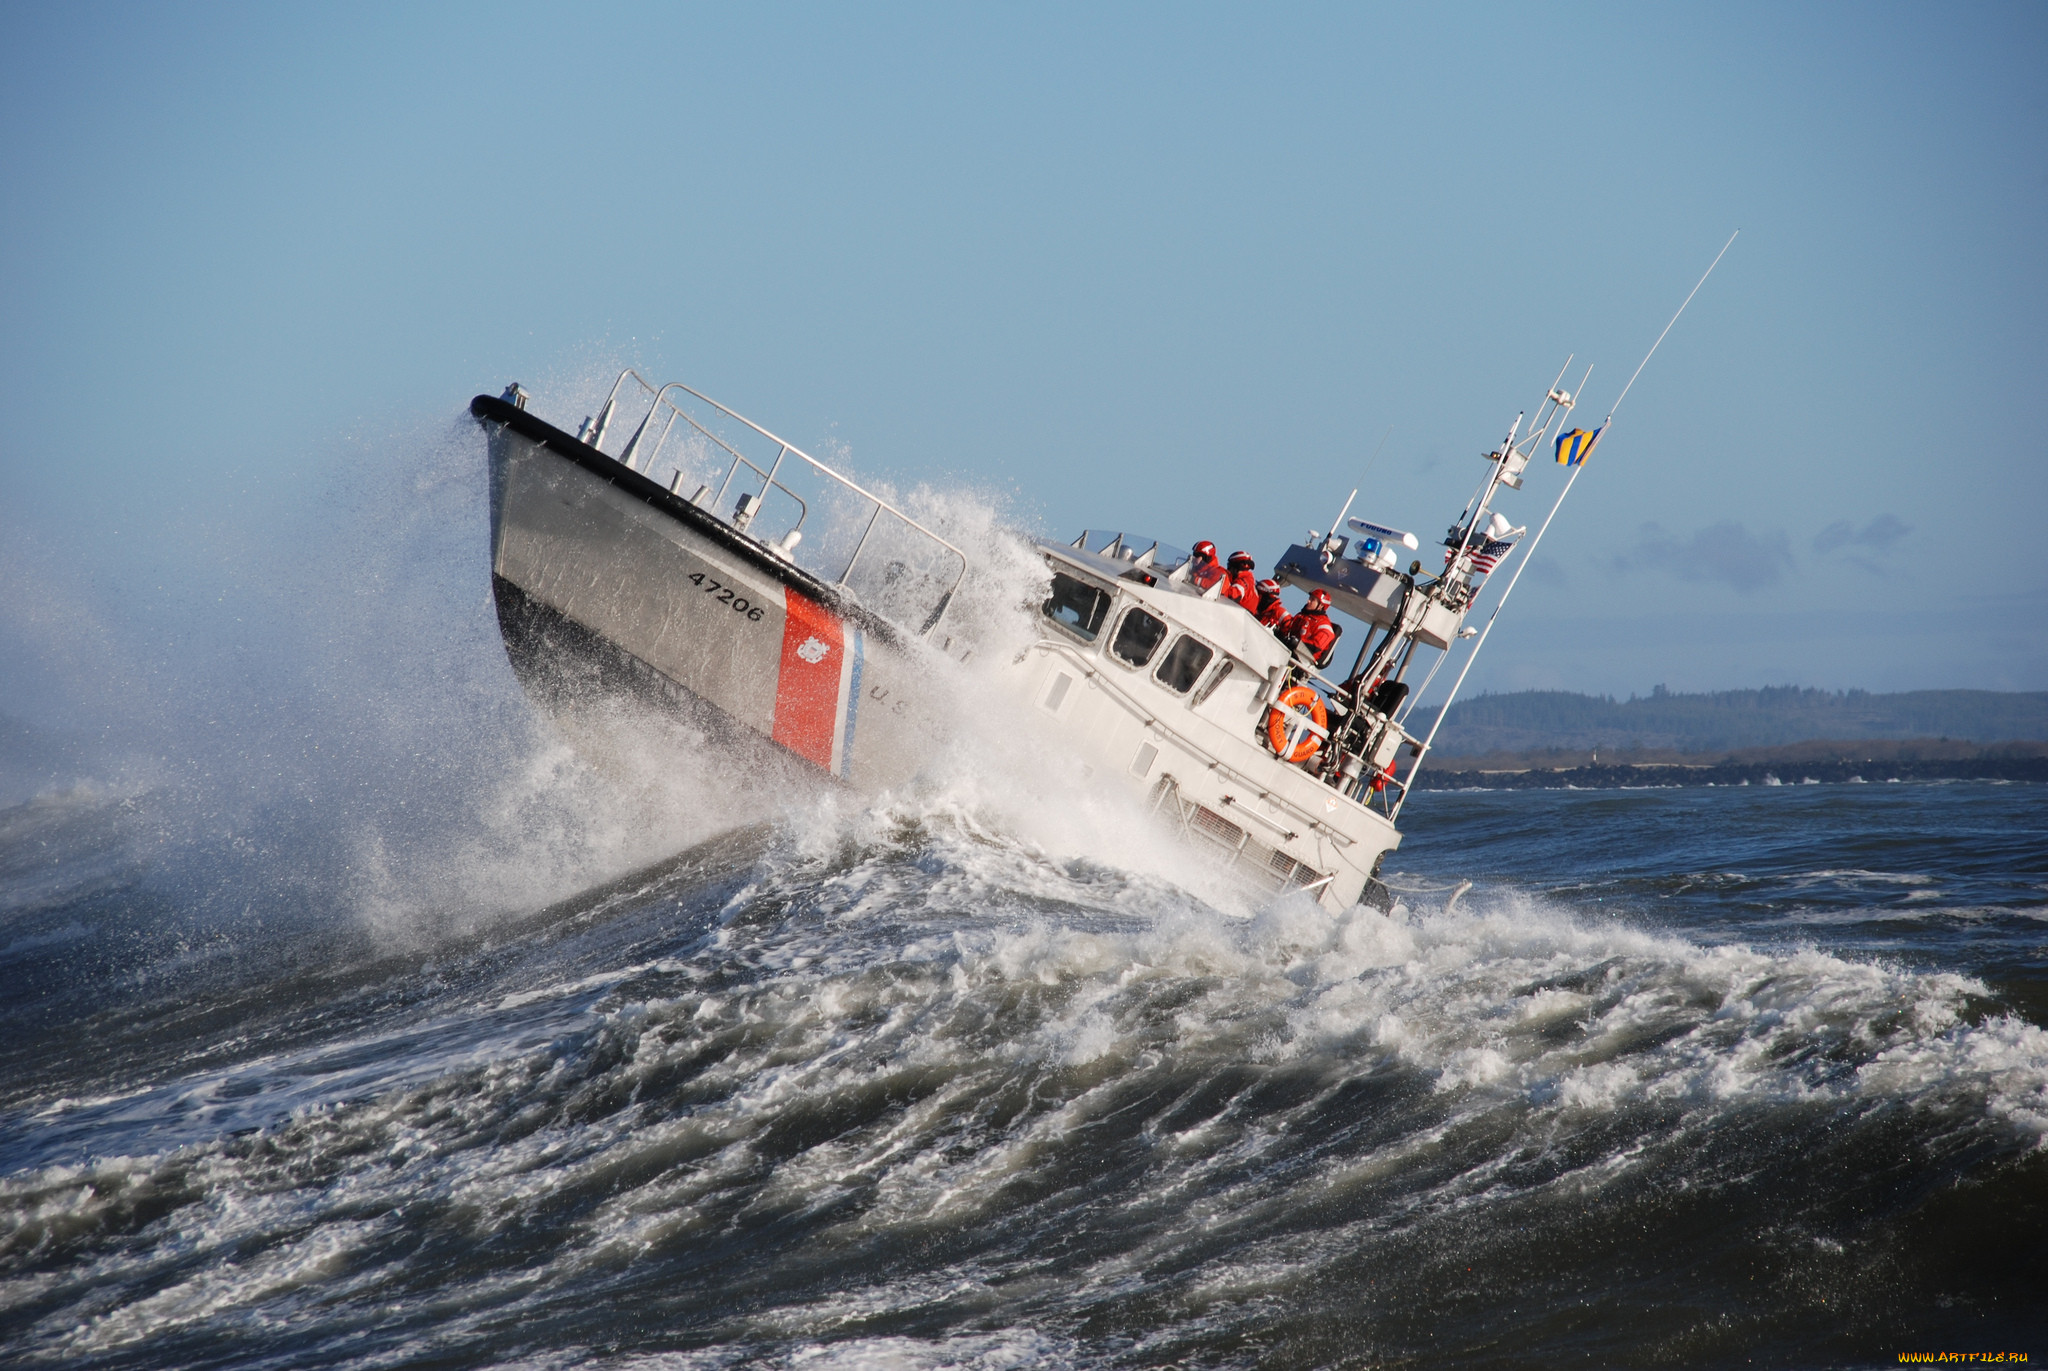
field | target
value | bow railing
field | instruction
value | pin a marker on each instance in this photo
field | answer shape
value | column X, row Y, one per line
column 802, row 511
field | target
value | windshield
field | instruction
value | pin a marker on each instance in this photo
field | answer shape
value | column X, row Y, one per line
column 1076, row 605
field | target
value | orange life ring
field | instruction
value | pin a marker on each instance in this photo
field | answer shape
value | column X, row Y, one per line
column 1292, row 701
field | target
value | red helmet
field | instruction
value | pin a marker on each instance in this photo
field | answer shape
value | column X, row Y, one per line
column 1269, row 586
column 1205, row 551
column 1318, row 599
column 1240, row 561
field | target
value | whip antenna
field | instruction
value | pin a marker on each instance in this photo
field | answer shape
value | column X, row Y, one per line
column 1674, row 319
column 1376, row 452
column 1523, row 565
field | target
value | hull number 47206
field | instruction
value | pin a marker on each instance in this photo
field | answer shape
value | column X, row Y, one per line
column 725, row 595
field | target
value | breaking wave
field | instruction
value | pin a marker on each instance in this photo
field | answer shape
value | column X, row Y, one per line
column 900, row 1085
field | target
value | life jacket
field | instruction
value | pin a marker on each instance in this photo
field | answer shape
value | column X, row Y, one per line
column 1205, row 574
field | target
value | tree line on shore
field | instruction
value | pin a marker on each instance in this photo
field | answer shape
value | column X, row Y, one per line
column 1527, row 722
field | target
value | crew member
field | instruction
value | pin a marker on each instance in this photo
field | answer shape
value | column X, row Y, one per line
column 1243, row 586
column 1267, row 607
column 1202, row 567
column 1311, row 629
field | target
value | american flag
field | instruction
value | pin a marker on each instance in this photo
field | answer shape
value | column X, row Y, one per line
column 1486, row 553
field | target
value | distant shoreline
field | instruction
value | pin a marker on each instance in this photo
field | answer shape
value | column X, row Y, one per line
column 1706, row 727
column 1875, row 762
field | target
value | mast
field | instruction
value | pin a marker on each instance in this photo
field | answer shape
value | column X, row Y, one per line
column 1556, row 505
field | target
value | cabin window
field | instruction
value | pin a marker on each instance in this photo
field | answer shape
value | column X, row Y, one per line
column 1183, row 664
column 1210, row 689
column 1138, row 637
column 1077, row 605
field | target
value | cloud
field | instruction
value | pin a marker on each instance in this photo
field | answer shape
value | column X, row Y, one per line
column 1726, row 552
column 1876, row 536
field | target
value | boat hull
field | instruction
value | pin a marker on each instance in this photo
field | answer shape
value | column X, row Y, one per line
column 607, row 583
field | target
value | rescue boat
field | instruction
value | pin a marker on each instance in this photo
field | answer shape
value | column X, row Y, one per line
column 674, row 549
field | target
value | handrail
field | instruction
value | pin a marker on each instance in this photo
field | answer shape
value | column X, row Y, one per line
column 851, row 485
column 633, row 457
column 739, row 459
column 1287, row 834
column 604, row 415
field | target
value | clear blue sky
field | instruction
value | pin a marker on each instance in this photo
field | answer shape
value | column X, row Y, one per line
column 1167, row 268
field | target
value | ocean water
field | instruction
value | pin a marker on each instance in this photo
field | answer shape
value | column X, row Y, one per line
column 350, row 1017
column 1688, row 1077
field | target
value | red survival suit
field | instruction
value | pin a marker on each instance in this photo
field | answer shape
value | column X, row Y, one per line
column 1311, row 628
column 1270, row 611
column 1241, row 585
column 1203, row 570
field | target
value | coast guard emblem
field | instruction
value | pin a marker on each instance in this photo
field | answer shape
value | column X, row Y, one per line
column 813, row 651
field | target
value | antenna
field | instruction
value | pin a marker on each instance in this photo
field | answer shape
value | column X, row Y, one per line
column 1554, row 395
column 1375, row 455
column 1344, row 511
column 1523, row 565
column 1674, row 319
column 1329, row 543
column 1562, row 405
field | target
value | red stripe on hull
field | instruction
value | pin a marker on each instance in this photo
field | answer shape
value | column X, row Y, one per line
column 807, row 691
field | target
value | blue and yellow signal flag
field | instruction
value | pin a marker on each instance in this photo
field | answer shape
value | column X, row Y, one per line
column 1572, row 447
